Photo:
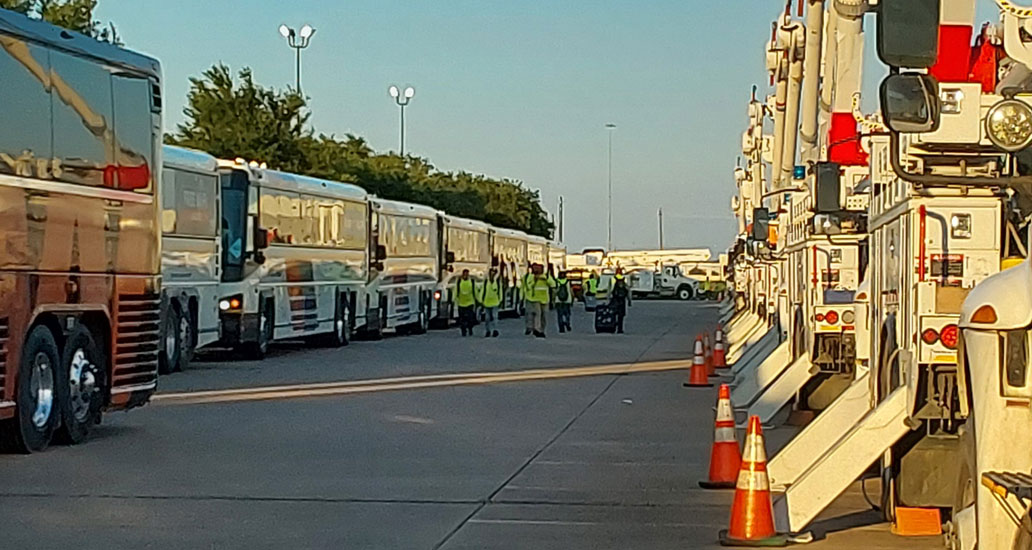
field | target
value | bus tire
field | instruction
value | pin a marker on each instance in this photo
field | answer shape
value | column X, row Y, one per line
column 187, row 339
column 341, row 333
column 35, row 418
column 423, row 323
column 171, row 347
column 80, row 386
column 258, row 349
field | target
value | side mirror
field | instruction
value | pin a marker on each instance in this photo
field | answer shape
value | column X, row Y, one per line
column 828, row 188
column 910, row 103
column 381, row 253
column 259, row 257
column 449, row 257
column 760, row 224
column 261, row 238
column 908, row 32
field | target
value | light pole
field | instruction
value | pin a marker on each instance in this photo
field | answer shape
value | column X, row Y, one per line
column 609, row 242
column 298, row 40
column 402, row 98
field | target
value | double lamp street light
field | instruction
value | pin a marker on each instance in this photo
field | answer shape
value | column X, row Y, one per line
column 298, row 40
column 402, row 98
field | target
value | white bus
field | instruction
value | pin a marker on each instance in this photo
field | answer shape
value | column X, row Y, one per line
column 464, row 244
column 294, row 257
column 509, row 254
column 190, row 262
column 557, row 257
column 403, row 269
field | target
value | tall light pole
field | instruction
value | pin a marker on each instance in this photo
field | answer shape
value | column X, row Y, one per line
column 609, row 242
column 298, row 40
column 402, row 98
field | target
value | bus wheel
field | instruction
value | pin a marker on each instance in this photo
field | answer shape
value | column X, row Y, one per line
column 80, row 383
column 423, row 323
column 172, row 347
column 36, row 417
column 341, row 326
column 260, row 348
column 187, row 340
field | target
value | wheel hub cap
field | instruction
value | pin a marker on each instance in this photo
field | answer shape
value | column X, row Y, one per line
column 41, row 385
column 82, row 384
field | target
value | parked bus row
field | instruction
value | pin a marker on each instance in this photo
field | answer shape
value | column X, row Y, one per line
column 115, row 261
column 252, row 255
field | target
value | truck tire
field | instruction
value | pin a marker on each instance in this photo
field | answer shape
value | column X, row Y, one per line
column 171, row 347
column 35, row 417
column 80, row 386
column 684, row 293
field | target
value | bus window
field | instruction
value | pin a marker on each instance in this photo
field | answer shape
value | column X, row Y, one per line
column 82, row 111
column 234, row 225
column 24, row 107
column 133, row 126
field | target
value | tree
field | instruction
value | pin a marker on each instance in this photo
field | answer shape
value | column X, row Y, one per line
column 239, row 118
column 74, row 15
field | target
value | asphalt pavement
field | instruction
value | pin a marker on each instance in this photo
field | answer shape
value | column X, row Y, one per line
column 478, row 460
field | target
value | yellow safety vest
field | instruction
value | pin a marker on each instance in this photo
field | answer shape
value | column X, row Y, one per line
column 592, row 285
column 465, row 296
column 490, row 293
column 535, row 289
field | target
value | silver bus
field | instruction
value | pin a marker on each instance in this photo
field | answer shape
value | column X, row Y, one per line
column 509, row 254
column 294, row 257
column 190, row 260
column 403, row 269
column 465, row 244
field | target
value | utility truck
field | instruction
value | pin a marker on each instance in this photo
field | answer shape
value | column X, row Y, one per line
column 667, row 282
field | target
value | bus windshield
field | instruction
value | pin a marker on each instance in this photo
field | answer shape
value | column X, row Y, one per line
column 234, row 224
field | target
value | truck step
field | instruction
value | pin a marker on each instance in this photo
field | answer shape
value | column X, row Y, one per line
column 1009, row 483
column 828, row 475
column 782, row 390
column 750, row 382
column 757, row 353
column 749, row 338
column 820, row 435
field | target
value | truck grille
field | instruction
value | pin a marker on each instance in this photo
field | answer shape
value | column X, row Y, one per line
column 4, row 336
column 137, row 343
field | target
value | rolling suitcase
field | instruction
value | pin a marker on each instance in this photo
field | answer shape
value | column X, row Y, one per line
column 605, row 319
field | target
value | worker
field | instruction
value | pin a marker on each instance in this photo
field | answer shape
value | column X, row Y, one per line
column 490, row 297
column 537, row 287
column 563, row 302
column 590, row 288
column 466, row 299
column 619, row 299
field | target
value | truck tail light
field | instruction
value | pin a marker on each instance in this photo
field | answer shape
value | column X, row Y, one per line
column 819, row 317
column 930, row 336
column 984, row 314
column 949, row 336
column 831, row 317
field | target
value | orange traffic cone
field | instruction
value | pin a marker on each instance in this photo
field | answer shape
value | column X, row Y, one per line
column 699, row 377
column 708, row 353
column 725, row 458
column 752, row 519
column 719, row 357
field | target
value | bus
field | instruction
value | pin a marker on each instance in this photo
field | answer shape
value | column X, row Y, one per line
column 294, row 257
column 80, row 267
column 403, row 269
column 509, row 254
column 190, row 255
column 537, row 253
column 557, row 257
column 465, row 244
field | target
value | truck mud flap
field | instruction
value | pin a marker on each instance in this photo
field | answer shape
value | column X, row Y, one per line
column 827, row 476
column 820, row 435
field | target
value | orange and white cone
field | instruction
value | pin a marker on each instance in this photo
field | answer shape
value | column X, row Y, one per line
column 725, row 458
column 699, row 377
column 752, row 518
column 719, row 357
column 708, row 353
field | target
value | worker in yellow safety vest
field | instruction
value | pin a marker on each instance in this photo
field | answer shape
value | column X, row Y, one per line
column 489, row 296
column 590, row 289
column 537, row 291
column 563, row 302
column 466, row 299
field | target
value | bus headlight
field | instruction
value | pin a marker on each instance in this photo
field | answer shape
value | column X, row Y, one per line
column 1009, row 125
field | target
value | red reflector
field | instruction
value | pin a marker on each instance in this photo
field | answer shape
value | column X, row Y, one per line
column 831, row 317
column 930, row 336
column 949, row 336
column 819, row 317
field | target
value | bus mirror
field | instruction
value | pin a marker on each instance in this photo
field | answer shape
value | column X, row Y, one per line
column 449, row 257
column 381, row 252
column 259, row 257
column 828, row 188
column 261, row 238
column 908, row 33
column 910, row 103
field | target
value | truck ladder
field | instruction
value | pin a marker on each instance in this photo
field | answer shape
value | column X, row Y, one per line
column 781, row 390
column 756, row 353
column 819, row 436
column 829, row 475
column 750, row 382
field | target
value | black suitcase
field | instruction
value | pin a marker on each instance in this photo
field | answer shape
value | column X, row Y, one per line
column 605, row 319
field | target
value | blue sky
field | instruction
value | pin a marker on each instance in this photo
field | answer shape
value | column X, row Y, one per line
column 516, row 88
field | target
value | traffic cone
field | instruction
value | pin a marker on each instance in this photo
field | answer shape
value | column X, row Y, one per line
column 708, row 354
column 725, row 457
column 699, row 377
column 719, row 357
column 752, row 518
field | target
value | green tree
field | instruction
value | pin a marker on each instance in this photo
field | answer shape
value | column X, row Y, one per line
column 232, row 118
column 75, row 15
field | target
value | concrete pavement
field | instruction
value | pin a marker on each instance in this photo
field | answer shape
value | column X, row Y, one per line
column 608, row 461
